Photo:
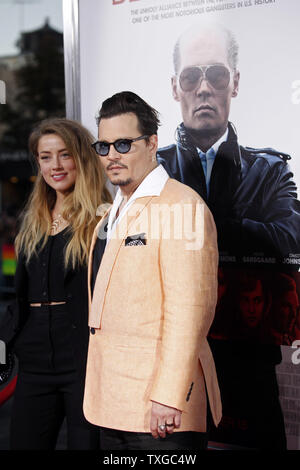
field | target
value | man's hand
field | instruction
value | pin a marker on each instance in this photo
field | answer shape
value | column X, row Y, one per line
column 164, row 419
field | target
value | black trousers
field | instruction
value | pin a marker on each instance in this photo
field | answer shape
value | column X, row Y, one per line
column 112, row 439
column 49, row 386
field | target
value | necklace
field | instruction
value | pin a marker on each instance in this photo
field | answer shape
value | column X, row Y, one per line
column 56, row 223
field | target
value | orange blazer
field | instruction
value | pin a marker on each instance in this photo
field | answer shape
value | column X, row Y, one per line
column 152, row 308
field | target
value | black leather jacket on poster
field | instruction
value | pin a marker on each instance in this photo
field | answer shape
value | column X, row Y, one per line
column 252, row 195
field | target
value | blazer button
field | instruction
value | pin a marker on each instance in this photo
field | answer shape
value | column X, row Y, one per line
column 92, row 331
column 69, row 296
column 74, row 326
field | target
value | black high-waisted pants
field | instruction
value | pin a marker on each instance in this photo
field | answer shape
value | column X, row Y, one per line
column 49, row 387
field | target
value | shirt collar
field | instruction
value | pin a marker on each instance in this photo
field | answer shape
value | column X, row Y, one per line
column 217, row 144
column 152, row 185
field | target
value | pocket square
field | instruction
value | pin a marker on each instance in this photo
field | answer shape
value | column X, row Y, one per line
column 136, row 240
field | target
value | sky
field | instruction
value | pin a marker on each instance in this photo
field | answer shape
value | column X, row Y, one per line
column 25, row 15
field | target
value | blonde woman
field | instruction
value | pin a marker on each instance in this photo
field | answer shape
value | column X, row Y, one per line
column 51, row 288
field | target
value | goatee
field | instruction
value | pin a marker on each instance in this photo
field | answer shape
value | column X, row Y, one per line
column 122, row 182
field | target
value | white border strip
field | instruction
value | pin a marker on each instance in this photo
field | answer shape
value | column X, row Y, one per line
column 72, row 58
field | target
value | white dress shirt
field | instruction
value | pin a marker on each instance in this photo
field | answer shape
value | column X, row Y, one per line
column 152, row 185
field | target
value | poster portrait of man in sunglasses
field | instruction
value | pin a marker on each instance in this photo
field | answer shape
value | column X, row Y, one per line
column 252, row 196
column 250, row 192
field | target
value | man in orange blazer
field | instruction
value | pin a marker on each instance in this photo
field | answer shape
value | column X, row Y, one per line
column 153, row 291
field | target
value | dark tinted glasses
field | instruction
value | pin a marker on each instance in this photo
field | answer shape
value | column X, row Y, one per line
column 121, row 145
column 218, row 77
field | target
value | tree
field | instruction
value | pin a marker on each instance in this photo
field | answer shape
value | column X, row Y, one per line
column 40, row 91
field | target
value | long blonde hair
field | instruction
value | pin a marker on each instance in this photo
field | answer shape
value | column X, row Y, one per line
column 79, row 206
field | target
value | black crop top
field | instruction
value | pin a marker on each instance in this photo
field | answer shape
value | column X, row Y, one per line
column 46, row 271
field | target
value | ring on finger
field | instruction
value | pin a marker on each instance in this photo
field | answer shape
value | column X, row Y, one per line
column 162, row 427
column 170, row 425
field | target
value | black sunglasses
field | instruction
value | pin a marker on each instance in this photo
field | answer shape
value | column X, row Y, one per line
column 121, row 145
column 218, row 76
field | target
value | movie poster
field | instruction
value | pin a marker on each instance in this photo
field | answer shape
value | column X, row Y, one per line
column 252, row 192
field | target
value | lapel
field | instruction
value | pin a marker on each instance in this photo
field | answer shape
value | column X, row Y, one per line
column 108, row 261
column 69, row 269
column 100, row 224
